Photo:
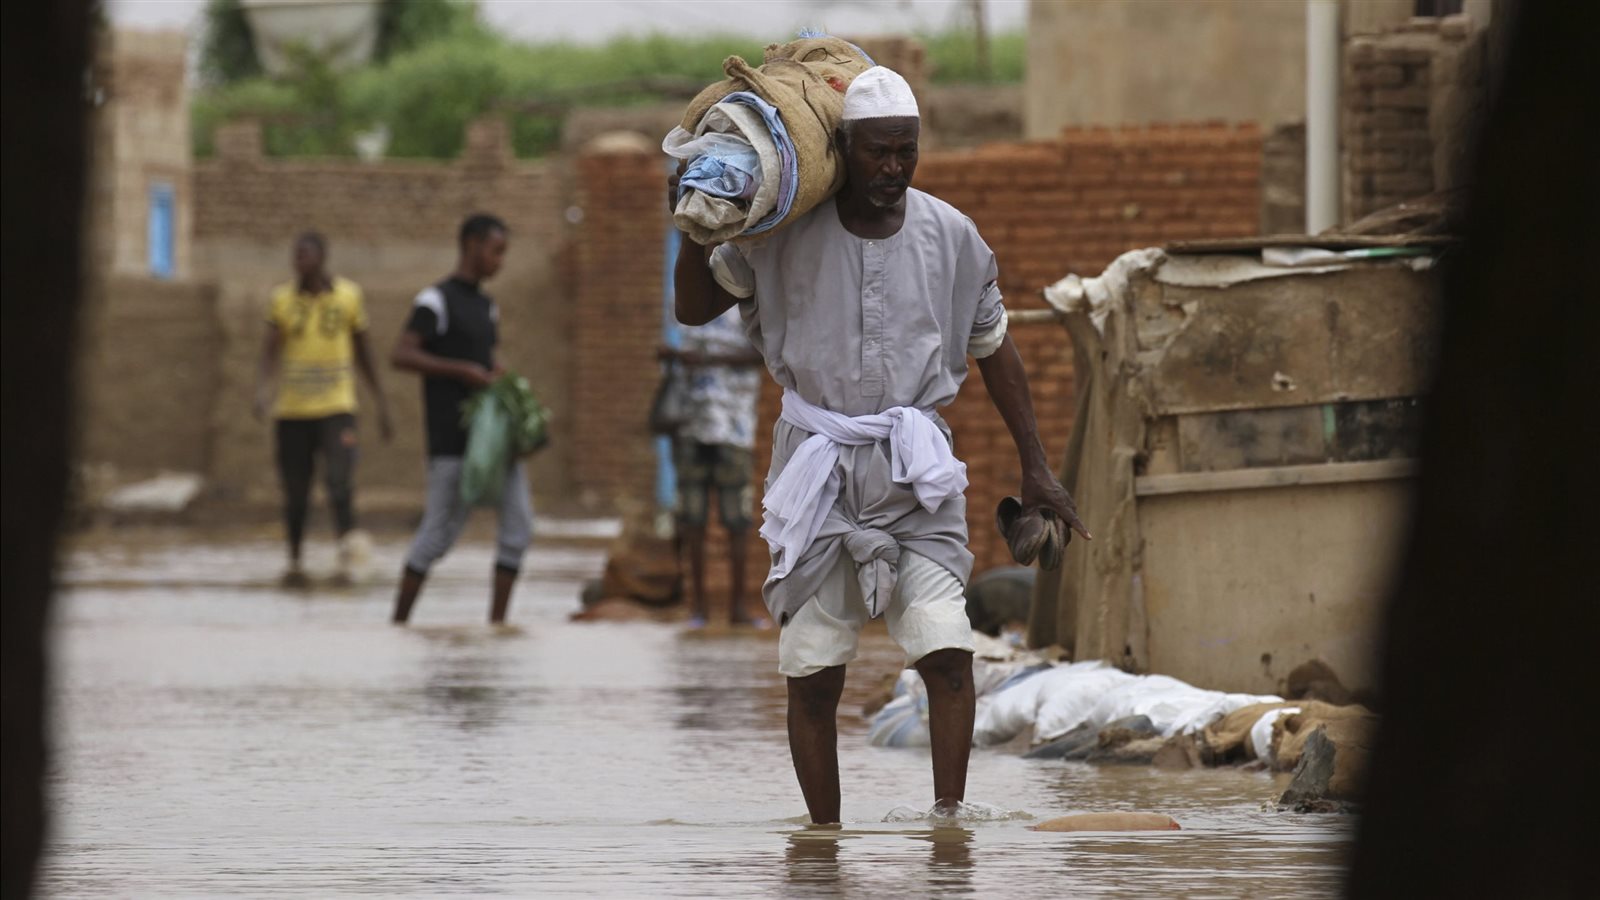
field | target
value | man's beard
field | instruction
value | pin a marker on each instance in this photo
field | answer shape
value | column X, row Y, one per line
column 899, row 186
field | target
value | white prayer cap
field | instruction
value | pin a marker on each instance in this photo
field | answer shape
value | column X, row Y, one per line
column 879, row 93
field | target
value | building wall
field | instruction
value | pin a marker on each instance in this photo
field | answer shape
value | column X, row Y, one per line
column 140, row 138
column 617, row 325
column 149, row 375
column 1047, row 208
column 1110, row 62
column 1409, row 99
column 391, row 227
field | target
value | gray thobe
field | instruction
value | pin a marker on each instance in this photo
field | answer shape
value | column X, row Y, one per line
column 859, row 326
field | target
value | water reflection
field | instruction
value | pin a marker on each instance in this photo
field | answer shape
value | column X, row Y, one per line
column 812, row 859
column 950, row 860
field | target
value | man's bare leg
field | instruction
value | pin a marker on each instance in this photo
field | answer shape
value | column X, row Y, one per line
column 951, row 706
column 813, row 740
column 504, row 581
column 694, row 546
column 410, row 586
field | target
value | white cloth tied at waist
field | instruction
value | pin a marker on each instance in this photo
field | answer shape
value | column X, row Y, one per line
column 806, row 490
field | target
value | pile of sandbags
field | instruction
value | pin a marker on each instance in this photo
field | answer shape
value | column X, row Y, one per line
column 759, row 144
column 1051, row 702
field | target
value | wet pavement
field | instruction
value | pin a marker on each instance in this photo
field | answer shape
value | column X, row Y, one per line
column 217, row 735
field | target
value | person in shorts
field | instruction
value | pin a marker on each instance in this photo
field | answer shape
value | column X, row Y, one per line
column 712, row 454
column 866, row 310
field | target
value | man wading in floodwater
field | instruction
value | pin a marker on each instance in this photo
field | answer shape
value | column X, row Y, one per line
column 316, row 327
column 450, row 341
column 865, row 310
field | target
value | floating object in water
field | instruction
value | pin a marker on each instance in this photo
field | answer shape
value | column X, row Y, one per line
column 1114, row 821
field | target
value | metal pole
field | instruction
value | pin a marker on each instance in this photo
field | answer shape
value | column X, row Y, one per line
column 1322, row 115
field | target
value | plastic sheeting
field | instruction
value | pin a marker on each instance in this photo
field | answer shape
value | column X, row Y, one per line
column 742, row 173
column 1016, row 697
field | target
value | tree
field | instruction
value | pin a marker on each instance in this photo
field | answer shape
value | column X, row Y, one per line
column 227, row 47
column 228, row 52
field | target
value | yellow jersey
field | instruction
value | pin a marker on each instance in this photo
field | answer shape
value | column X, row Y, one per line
column 317, row 371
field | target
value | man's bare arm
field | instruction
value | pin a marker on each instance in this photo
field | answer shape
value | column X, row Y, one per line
column 363, row 354
column 1007, row 383
column 697, row 297
column 408, row 355
column 267, row 371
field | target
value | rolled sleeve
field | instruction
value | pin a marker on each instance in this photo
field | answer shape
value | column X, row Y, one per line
column 732, row 271
column 989, row 330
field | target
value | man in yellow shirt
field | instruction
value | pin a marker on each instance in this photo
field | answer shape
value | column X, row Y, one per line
column 316, row 329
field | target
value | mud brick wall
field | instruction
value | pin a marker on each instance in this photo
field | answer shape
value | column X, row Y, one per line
column 1047, row 208
column 1388, row 152
column 1283, row 180
column 148, row 375
column 1411, row 99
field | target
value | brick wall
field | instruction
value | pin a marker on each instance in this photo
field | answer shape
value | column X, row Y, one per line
column 1283, row 180
column 617, row 327
column 1047, row 209
column 1410, row 100
column 1388, row 153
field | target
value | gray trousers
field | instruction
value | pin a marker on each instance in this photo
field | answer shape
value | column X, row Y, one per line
column 446, row 515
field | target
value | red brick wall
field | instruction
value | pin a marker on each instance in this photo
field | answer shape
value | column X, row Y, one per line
column 1047, row 209
column 617, row 327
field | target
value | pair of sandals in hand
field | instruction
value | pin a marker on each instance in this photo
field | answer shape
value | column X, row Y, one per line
column 1037, row 534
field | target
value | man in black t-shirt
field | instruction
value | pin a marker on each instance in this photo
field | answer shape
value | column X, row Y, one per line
column 450, row 340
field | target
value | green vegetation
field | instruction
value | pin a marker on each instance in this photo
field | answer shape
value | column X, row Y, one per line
column 441, row 70
column 227, row 54
column 953, row 57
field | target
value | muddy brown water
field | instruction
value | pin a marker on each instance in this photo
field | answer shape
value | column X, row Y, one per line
column 216, row 735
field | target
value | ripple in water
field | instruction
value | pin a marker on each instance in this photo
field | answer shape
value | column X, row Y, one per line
column 965, row 812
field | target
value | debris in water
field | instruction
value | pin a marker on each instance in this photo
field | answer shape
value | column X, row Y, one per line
column 1113, row 821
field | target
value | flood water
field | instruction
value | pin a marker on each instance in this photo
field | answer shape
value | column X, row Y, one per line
column 219, row 736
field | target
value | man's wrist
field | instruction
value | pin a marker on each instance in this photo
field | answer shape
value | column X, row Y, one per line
column 1034, row 463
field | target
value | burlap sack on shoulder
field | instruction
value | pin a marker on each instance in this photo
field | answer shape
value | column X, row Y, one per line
column 805, row 80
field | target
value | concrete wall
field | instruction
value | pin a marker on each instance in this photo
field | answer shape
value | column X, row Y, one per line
column 1108, row 62
column 392, row 228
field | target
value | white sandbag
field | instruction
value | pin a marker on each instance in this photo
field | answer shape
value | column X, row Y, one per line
column 903, row 721
column 1261, row 731
column 1172, row 706
column 1009, row 711
column 1070, row 694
